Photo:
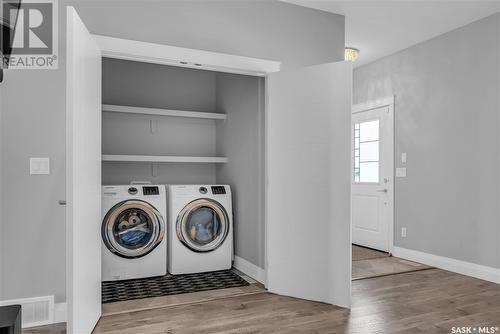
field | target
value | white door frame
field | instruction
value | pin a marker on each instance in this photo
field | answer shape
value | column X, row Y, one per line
column 126, row 49
column 145, row 52
column 384, row 102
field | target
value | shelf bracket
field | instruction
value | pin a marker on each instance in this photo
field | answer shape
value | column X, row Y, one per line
column 153, row 126
column 154, row 169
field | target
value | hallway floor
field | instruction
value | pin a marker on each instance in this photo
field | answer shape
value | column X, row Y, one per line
column 364, row 253
column 369, row 263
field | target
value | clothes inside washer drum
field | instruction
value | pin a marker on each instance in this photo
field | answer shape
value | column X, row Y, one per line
column 132, row 238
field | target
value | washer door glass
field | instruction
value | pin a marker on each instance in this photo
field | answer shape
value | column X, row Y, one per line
column 132, row 229
column 203, row 225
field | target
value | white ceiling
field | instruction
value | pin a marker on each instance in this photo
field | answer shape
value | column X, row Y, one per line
column 380, row 28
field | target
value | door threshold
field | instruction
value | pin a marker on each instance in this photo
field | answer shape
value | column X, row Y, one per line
column 144, row 304
column 392, row 274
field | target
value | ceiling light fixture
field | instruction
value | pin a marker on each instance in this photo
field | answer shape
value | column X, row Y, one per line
column 351, row 54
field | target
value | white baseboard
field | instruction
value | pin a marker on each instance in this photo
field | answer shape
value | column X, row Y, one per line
column 250, row 269
column 60, row 312
column 457, row 266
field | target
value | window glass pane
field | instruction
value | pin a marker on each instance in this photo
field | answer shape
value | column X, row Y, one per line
column 368, row 131
column 368, row 151
column 368, row 172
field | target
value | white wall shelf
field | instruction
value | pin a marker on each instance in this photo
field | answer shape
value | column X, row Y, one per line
column 162, row 112
column 161, row 158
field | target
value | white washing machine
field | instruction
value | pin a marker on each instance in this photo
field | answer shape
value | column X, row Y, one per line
column 200, row 228
column 134, row 243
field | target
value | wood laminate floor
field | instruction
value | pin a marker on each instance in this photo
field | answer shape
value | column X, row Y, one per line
column 364, row 253
column 176, row 300
column 428, row 301
column 384, row 266
column 369, row 263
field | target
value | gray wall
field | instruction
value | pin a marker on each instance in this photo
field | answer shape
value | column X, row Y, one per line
column 33, row 108
column 447, row 119
column 241, row 139
column 157, row 86
column 33, row 244
column 264, row 29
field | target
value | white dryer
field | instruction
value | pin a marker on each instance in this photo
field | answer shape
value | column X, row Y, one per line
column 133, row 232
column 200, row 228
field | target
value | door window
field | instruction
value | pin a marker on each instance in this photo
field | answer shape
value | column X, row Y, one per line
column 366, row 151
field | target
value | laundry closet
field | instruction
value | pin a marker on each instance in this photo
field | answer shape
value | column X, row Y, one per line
column 209, row 129
column 170, row 115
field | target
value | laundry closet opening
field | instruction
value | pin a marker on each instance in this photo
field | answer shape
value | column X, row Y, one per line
column 168, row 125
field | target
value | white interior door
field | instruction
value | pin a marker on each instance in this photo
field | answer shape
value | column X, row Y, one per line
column 308, row 189
column 83, row 177
column 372, row 154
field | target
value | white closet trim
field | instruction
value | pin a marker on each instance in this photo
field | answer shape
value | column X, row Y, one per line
column 113, row 47
column 250, row 269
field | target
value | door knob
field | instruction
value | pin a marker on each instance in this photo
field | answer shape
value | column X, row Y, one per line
column 382, row 191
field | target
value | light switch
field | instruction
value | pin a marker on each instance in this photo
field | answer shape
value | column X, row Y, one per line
column 403, row 158
column 39, row 166
column 401, row 172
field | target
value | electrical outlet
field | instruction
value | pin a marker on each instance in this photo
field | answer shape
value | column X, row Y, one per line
column 403, row 158
column 403, row 232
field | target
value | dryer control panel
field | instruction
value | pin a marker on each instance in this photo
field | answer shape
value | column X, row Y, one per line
column 218, row 190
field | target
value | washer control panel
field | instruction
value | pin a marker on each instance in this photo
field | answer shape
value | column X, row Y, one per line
column 152, row 190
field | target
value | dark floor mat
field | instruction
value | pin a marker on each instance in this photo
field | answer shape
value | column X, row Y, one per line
column 115, row 291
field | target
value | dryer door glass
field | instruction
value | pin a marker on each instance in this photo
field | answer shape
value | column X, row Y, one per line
column 203, row 225
column 132, row 229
